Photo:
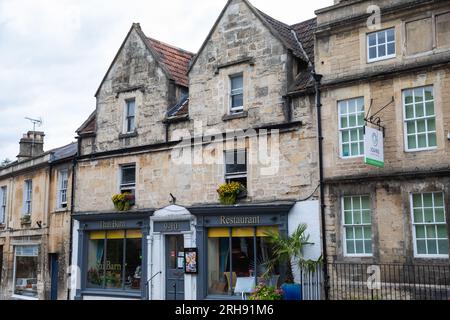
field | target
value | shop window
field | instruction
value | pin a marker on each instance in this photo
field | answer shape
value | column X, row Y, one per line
column 25, row 271
column 232, row 253
column 351, row 127
column 236, row 167
column 429, row 225
column 420, row 119
column 357, row 226
column 115, row 260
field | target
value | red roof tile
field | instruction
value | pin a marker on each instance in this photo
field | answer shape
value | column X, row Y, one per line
column 175, row 60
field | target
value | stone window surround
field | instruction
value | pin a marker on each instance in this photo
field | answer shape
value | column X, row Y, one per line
column 121, row 100
column 386, row 56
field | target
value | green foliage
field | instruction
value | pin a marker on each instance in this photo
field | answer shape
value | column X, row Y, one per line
column 288, row 251
column 229, row 192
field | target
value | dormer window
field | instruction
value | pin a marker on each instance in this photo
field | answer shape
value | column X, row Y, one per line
column 130, row 116
column 237, row 93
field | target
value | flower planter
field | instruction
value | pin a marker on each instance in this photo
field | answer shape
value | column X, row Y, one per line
column 229, row 193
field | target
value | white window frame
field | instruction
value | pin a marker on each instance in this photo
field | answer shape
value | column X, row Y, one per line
column 63, row 186
column 127, row 186
column 236, row 175
column 415, row 119
column 341, row 130
column 126, row 129
column 387, row 56
column 414, row 224
column 235, row 92
column 14, row 295
column 3, row 203
column 27, row 198
column 362, row 225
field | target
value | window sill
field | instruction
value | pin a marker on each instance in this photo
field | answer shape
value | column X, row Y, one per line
column 128, row 135
column 17, row 297
column 420, row 150
column 61, row 210
column 240, row 115
column 390, row 57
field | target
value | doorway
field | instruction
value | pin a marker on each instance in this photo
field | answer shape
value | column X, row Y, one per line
column 54, row 266
column 174, row 267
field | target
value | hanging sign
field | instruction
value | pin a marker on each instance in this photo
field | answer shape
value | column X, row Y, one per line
column 374, row 147
column 191, row 260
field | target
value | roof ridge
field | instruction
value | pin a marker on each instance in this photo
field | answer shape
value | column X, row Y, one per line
column 170, row 45
column 302, row 22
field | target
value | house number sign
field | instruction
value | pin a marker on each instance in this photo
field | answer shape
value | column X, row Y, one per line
column 172, row 226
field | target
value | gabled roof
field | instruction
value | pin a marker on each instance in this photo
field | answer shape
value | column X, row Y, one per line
column 65, row 152
column 176, row 60
column 305, row 33
column 89, row 126
column 280, row 30
column 172, row 60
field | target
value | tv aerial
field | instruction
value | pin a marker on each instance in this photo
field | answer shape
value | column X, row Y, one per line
column 35, row 122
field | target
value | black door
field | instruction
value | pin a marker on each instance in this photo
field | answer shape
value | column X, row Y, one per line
column 54, row 266
column 175, row 267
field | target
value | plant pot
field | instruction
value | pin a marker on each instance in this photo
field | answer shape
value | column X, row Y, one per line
column 228, row 199
column 292, row 291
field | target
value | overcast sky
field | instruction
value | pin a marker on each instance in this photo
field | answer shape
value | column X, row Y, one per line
column 54, row 53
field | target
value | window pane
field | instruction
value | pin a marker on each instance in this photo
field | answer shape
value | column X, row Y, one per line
column 417, row 200
column 348, row 217
column 236, row 162
column 431, row 232
column 360, row 105
column 390, row 35
column 114, row 264
column 421, row 247
column 381, row 50
column 352, row 121
column 131, row 107
column 368, row 233
column 422, row 141
column 409, row 112
column 350, row 247
column 343, row 108
column 346, row 150
column 128, row 175
column 381, row 37
column 345, row 136
column 237, row 82
column 429, row 106
column 412, row 144
column 373, row 53
column 443, row 246
column 408, row 97
column 429, row 93
column 95, row 273
column 354, row 135
column 133, row 267
column 391, row 48
column 442, row 232
column 350, row 235
column 344, row 122
column 237, row 101
column 347, row 203
column 411, row 127
column 432, row 140
column 359, row 246
column 439, row 199
column 359, row 233
column 357, row 217
column 365, row 203
column 418, row 215
column 420, row 232
column 372, row 39
column 352, row 106
column 418, row 95
column 421, row 126
column 368, row 246
column 440, row 215
column 428, row 200
column 429, row 217
column 354, row 149
column 419, row 110
column 431, row 124
column 366, row 217
column 432, row 247
column 26, row 276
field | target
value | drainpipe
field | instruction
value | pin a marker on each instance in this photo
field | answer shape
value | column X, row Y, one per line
column 72, row 208
column 317, row 80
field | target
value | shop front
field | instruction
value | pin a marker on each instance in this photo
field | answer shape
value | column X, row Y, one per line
column 233, row 248
column 112, row 256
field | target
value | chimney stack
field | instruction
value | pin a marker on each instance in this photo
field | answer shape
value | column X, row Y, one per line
column 31, row 145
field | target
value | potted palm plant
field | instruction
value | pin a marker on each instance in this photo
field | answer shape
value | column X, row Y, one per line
column 288, row 251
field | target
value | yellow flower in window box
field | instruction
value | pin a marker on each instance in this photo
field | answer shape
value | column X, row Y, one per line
column 123, row 201
column 229, row 192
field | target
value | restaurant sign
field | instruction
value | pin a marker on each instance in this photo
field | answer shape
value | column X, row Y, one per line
column 374, row 147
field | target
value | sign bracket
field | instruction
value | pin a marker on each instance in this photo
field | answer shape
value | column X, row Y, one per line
column 374, row 120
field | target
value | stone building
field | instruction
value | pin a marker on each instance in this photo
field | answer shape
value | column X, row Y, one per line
column 169, row 128
column 35, row 204
column 391, row 74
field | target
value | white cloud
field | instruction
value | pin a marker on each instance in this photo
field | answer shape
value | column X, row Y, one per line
column 54, row 53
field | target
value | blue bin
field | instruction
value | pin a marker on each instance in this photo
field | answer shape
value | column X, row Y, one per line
column 292, row 291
